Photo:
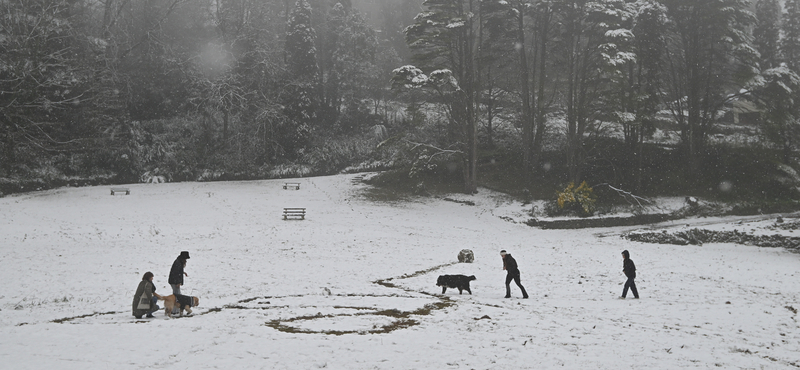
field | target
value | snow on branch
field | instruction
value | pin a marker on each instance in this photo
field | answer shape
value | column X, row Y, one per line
column 438, row 151
column 628, row 196
column 409, row 76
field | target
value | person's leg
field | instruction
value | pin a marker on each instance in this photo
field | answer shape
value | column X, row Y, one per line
column 522, row 288
column 155, row 307
column 625, row 289
column 508, row 285
column 176, row 290
column 633, row 289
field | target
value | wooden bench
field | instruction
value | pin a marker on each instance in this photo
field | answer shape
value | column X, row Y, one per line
column 294, row 212
column 120, row 190
column 295, row 185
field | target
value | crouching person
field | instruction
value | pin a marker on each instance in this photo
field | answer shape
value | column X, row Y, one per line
column 145, row 298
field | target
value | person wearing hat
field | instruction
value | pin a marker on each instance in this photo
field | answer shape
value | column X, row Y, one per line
column 176, row 274
column 630, row 271
column 512, row 273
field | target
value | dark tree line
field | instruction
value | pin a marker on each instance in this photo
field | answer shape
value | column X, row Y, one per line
column 586, row 69
column 175, row 88
column 130, row 89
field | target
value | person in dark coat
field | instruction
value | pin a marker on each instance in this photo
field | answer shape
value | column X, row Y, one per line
column 630, row 271
column 176, row 274
column 146, row 290
column 512, row 273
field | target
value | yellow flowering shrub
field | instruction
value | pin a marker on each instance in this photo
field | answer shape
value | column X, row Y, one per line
column 579, row 199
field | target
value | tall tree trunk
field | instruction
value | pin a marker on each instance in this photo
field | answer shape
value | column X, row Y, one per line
column 9, row 145
column 471, row 58
column 527, row 116
column 573, row 139
column 490, row 106
column 225, row 120
column 541, row 111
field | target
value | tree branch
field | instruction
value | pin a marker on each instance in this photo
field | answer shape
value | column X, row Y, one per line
column 628, row 196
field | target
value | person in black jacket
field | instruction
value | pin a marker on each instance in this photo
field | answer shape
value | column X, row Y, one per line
column 176, row 274
column 630, row 271
column 512, row 273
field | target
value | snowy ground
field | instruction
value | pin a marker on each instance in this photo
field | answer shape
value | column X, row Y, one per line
column 72, row 258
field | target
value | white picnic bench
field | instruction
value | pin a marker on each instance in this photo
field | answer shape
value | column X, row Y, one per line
column 294, row 213
column 127, row 191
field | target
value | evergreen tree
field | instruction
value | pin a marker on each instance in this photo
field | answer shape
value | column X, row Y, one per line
column 644, row 81
column 766, row 33
column 776, row 93
column 790, row 45
column 300, row 101
column 300, row 44
column 354, row 64
column 446, row 38
column 335, row 26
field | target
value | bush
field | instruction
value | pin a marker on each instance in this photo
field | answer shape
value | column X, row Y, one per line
column 580, row 200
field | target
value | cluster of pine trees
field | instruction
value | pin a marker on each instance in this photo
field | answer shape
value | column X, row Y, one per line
column 202, row 89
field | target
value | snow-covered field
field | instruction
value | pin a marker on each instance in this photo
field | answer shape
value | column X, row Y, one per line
column 353, row 285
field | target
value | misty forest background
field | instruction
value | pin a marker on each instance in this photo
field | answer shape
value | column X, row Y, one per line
column 671, row 97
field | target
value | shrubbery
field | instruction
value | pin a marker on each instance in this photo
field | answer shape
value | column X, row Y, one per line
column 580, row 200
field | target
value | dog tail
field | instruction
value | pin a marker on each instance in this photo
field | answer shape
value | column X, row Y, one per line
column 473, row 278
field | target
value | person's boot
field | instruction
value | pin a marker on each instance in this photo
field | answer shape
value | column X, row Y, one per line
column 508, row 292
column 524, row 293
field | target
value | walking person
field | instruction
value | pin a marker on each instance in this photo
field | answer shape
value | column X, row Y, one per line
column 630, row 271
column 145, row 298
column 512, row 273
column 176, row 274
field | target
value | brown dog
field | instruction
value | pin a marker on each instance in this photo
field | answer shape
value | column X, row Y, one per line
column 184, row 302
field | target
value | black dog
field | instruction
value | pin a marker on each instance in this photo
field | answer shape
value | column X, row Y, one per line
column 460, row 282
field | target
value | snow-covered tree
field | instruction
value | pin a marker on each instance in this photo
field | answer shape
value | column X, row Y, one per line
column 766, row 34
column 331, row 79
column 790, row 44
column 45, row 75
column 347, row 62
column 519, row 34
column 709, row 58
column 300, row 100
column 446, row 37
column 354, row 63
column 639, row 88
column 590, row 46
column 777, row 92
column 300, row 44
